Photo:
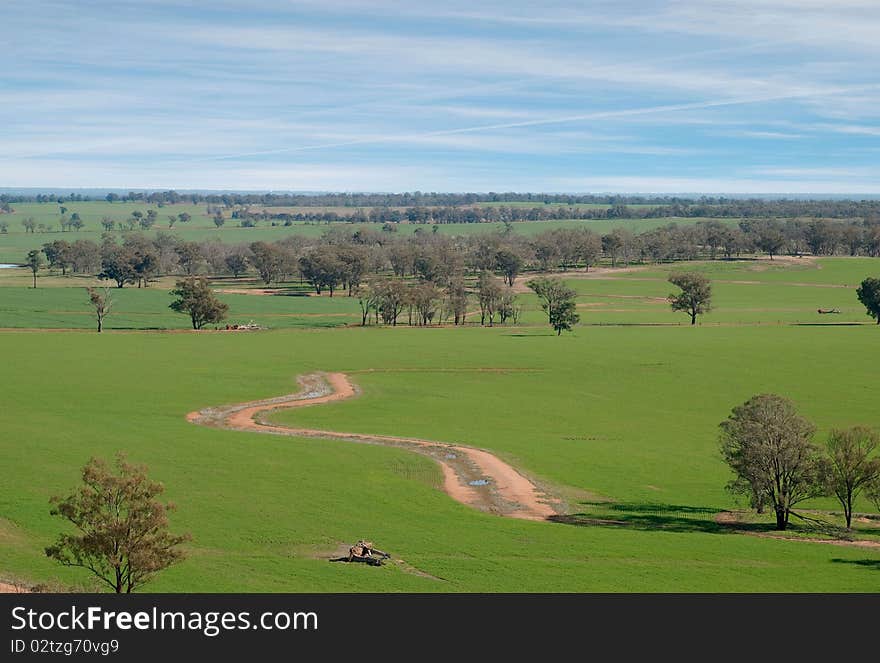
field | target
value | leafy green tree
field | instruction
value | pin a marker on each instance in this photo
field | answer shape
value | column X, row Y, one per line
column 851, row 465
column 149, row 220
column 190, row 256
column 35, row 263
column 322, row 268
column 58, row 254
column 510, row 263
column 237, row 263
column 122, row 529
column 611, row 246
column 695, row 297
column 195, row 298
column 558, row 301
column 117, row 264
column 146, row 266
column 392, row 296
column 353, row 259
column 869, row 295
column 563, row 315
column 266, row 259
column 770, row 238
column 768, row 445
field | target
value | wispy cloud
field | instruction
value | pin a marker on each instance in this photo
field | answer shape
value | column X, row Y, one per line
column 391, row 94
column 770, row 135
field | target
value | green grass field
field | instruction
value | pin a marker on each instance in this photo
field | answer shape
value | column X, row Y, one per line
column 621, row 420
column 753, row 292
column 62, row 303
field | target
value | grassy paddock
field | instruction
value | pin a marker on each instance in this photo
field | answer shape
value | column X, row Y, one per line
column 622, row 414
column 746, row 292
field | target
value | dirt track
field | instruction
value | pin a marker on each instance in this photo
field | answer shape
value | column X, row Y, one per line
column 471, row 476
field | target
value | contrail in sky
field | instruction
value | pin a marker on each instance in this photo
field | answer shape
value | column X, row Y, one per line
column 596, row 115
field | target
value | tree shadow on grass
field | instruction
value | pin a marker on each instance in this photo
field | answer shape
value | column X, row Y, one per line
column 653, row 517
column 537, row 335
column 866, row 563
column 829, row 324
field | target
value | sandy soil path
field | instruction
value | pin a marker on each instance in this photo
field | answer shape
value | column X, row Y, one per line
column 471, row 476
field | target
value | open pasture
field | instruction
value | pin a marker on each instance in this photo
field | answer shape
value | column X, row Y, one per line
column 620, row 422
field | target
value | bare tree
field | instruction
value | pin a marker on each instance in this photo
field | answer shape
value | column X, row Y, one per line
column 489, row 293
column 851, row 466
column 425, row 297
column 102, row 302
column 34, row 263
column 368, row 300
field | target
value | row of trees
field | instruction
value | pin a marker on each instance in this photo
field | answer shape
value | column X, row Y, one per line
column 249, row 217
column 343, row 256
column 136, row 221
column 386, row 300
column 795, row 236
column 776, row 464
column 338, row 260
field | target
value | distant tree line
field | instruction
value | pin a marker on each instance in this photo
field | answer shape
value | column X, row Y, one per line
column 614, row 206
column 504, row 213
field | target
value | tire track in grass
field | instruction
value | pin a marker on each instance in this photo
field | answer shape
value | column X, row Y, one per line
column 472, row 476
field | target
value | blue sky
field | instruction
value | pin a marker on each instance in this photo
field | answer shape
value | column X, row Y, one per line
column 733, row 96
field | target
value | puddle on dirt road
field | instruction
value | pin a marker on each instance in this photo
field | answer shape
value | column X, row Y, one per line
column 479, row 482
column 4, row 265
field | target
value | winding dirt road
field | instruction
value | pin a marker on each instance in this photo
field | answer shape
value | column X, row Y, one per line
column 471, row 476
